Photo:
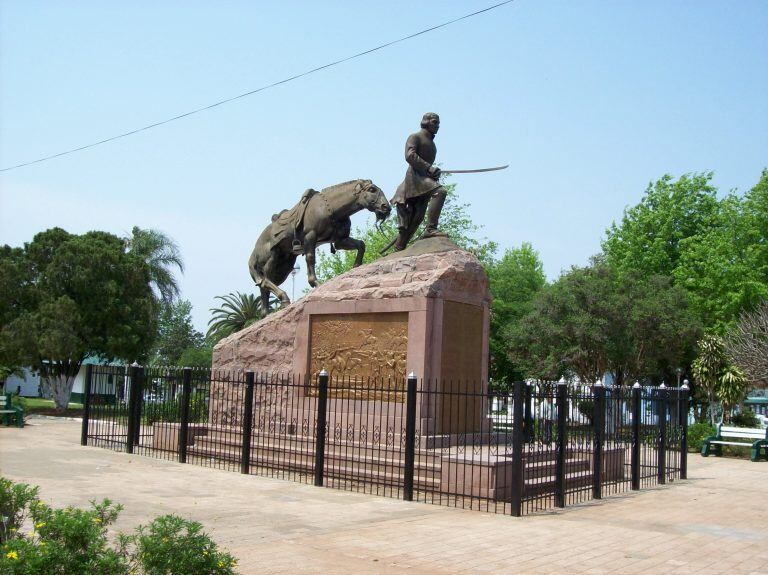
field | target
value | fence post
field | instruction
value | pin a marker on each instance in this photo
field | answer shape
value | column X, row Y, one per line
column 245, row 456
column 562, row 443
column 598, row 421
column 186, row 390
column 139, row 404
column 528, row 417
column 322, row 405
column 518, row 481
column 134, row 408
column 86, row 404
column 636, row 415
column 410, row 438
column 662, row 446
column 684, row 430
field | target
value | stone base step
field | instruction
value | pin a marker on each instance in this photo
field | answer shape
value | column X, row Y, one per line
column 541, row 469
column 547, row 485
column 296, row 443
column 349, row 470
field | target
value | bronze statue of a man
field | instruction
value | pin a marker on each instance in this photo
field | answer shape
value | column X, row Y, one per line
column 421, row 192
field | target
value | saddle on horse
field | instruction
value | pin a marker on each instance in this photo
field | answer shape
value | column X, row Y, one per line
column 292, row 222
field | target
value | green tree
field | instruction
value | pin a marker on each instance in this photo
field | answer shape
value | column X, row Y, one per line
column 716, row 377
column 454, row 221
column 717, row 250
column 162, row 255
column 648, row 239
column 589, row 322
column 175, row 333
column 238, row 311
column 724, row 269
column 15, row 296
column 85, row 296
column 198, row 356
column 514, row 281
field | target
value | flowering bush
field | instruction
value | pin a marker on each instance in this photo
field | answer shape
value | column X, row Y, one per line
column 75, row 541
column 72, row 541
column 14, row 505
column 171, row 544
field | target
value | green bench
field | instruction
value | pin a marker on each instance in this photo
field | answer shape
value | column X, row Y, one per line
column 10, row 412
column 757, row 439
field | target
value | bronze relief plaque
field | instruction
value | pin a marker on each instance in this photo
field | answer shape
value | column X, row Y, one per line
column 360, row 351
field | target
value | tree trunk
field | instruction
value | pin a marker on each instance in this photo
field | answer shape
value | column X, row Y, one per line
column 712, row 418
column 61, row 389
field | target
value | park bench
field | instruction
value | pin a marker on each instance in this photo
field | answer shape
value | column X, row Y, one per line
column 757, row 439
column 10, row 412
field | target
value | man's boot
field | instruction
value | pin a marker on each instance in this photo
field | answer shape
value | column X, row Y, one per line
column 433, row 216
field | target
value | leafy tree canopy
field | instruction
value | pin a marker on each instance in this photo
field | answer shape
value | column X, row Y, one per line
column 590, row 322
column 648, row 239
column 162, row 255
column 175, row 333
column 515, row 279
column 238, row 311
column 81, row 296
column 717, row 250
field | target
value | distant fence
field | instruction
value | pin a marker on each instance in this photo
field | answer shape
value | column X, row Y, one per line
column 545, row 445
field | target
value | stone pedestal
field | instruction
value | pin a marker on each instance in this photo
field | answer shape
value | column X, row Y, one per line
column 423, row 310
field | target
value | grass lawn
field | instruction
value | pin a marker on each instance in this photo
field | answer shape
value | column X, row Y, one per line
column 46, row 407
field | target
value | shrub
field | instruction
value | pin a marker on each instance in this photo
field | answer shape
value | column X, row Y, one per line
column 697, row 433
column 587, row 409
column 74, row 541
column 14, row 505
column 171, row 545
column 746, row 418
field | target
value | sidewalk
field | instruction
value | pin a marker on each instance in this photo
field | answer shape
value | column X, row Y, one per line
column 716, row 522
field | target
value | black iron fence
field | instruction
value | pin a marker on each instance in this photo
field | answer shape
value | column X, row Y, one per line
column 544, row 445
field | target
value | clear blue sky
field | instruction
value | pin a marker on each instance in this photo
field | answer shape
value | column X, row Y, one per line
column 587, row 102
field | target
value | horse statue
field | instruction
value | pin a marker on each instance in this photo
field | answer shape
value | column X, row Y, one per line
column 319, row 218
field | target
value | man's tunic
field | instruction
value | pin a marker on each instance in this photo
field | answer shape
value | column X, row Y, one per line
column 420, row 153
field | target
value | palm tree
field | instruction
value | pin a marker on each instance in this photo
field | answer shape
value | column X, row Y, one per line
column 238, row 311
column 161, row 255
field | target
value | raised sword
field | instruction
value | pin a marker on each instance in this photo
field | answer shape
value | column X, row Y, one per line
column 475, row 171
column 443, row 172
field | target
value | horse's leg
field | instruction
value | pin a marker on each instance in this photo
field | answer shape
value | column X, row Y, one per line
column 352, row 244
column 310, row 243
column 268, row 284
column 265, row 293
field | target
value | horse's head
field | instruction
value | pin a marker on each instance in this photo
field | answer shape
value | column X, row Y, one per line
column 374, row 200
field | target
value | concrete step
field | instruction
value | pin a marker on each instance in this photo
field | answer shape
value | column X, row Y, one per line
column 285, row 451
column 334, row 468
column 546, row 485
column 292, row 443
column 540, row 469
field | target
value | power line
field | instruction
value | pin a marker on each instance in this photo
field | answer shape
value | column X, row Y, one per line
column 257, row 90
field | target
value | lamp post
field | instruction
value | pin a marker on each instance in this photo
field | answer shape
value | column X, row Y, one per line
column 679, row 372
column 294, row 271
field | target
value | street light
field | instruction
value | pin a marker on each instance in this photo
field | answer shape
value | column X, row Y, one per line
column 679, row 372
column 294, row 271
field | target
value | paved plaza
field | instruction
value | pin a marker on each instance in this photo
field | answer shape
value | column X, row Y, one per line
column 715, row 522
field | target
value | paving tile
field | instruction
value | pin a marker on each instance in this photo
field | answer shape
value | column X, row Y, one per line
column 708, row 524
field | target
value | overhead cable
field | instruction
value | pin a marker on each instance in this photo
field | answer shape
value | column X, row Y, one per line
column 257, row 90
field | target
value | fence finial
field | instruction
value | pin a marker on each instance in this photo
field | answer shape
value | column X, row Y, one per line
column 685, row 384
column 637, row 385
column 412, row 375
column 662, row 386
column 323, row 373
